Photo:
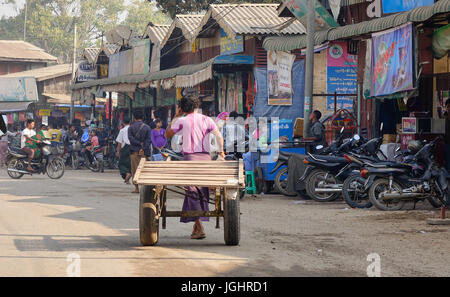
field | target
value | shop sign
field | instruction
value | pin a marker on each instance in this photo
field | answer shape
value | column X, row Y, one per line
column 341, row 75
column 45, row 112
column 18, row 89
column 229, row 46
column 86, row 71
column 392, row 61
column 299, row 9
column 64, row 109
column 279, row 77
column 141, row 57
column 390, row 6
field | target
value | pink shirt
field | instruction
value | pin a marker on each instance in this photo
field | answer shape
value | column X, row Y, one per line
column 195, row 129
column 94, row 141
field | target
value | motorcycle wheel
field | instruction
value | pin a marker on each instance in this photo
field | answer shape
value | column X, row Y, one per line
column 15, row 164
column 312, row 182
column 382, row 185
column 55, row 168
column 281, row 182
column 75, row 162
column 94, row 167
column 354, row 195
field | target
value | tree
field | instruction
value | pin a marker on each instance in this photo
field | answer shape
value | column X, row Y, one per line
column 174, row 7
column 51, row 23
column 140, row 13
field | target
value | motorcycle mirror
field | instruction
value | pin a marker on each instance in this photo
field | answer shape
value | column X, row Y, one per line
column 398, row 149
column 319, row 147
column 381, row 126
column 342, row 130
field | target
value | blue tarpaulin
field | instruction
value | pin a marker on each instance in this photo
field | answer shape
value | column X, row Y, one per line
column 237, row 59
column 263, row 109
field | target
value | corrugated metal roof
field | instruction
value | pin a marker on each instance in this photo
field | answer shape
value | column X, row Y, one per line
column 91, row 54
column 16, row 50
column 417, row 15
column 188, row 25
column 251, row 19
column 156, row 33
column 44, row 73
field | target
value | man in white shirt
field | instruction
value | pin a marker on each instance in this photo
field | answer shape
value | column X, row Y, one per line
column 123, row 151
column 27, row 133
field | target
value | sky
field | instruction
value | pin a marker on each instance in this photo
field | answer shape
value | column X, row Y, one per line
column 9, row 9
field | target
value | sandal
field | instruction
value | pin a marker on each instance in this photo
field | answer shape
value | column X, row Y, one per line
column 198, row 236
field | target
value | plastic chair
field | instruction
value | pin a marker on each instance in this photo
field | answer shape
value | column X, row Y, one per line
column 250, row 182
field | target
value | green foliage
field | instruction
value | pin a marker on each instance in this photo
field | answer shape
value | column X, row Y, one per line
column 51, row 23
column 174, row 7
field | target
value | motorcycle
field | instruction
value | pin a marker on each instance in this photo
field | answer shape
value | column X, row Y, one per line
column 110, row 159
column 325, row 175
column 281, row 178
column 416, row 179
column 48, row 162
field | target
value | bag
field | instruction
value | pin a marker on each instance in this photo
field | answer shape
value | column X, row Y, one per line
column 158, row 157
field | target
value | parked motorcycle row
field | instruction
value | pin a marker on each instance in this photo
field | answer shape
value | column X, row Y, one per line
column 357, row 170
column 54, row 158
column 78, row 156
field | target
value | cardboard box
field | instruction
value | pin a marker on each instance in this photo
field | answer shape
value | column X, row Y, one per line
column 298, row 127
column 389, row 138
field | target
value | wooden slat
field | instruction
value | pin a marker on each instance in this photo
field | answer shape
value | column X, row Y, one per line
column 190, row 171
column 185, row 183
column 191, row 176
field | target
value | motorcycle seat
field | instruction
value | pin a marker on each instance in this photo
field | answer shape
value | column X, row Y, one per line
column 330, row 159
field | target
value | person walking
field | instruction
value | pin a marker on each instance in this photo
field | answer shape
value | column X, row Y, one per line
column 139, row 135
column 195, row 129
column 159, row 139
column 123, row 151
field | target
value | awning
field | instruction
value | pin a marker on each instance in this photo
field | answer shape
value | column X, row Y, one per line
column 441, row 42
column 124, row 79
column 184, row 76
column 58, row 98
column 14, row 106
column 417, row 15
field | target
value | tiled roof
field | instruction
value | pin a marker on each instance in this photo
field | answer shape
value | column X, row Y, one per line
column 156, row 33
column 251, row 19
column 16, row 50
column 187, row 23
column 44, row 73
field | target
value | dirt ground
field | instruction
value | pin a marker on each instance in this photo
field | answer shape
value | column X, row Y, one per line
column 44, row 223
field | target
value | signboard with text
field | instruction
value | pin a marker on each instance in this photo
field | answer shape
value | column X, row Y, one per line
column 392, row 61
column 279, row 77
column 229, row 46
column 86, row 71
column 390, row 6
column 341, row 75
column 299, row 9
column 18, row 89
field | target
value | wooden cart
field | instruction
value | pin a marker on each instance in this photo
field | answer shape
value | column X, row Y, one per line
column 156, row 178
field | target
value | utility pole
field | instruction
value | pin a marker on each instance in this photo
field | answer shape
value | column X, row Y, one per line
column 25, row 21
column 309, row 80
column 74, row 66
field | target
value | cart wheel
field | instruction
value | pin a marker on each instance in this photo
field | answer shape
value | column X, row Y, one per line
column 148, row 224
column 231, row 220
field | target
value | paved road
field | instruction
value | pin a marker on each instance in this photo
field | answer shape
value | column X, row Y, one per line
column 94, row 216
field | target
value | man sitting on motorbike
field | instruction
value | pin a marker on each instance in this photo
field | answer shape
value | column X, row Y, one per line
column 31, row 146
column 27, row 133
